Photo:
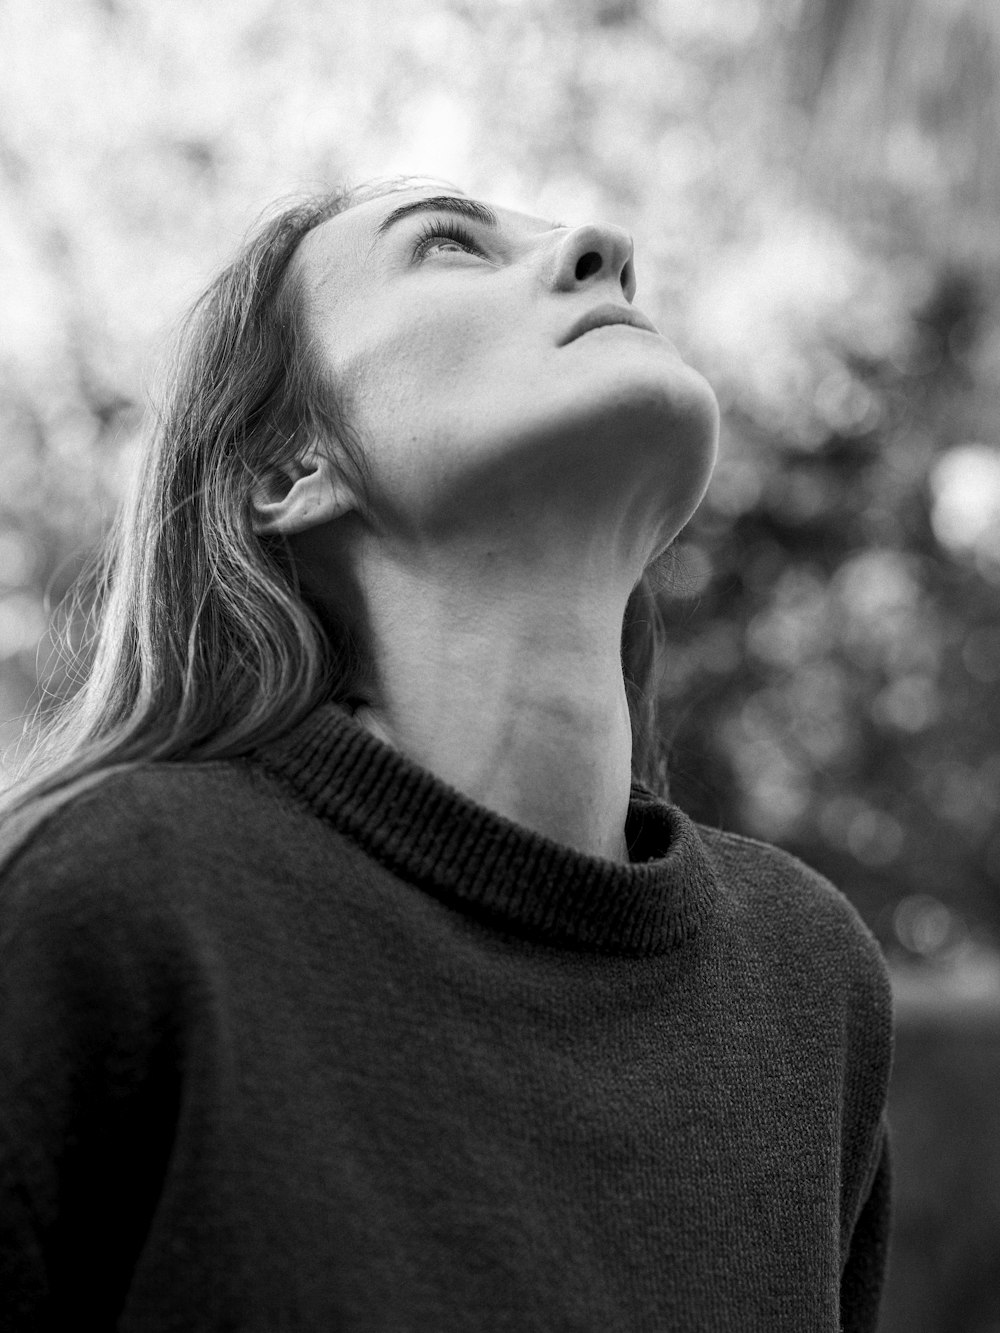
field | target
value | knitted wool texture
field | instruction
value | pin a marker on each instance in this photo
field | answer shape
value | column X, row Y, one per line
column 312, row 1041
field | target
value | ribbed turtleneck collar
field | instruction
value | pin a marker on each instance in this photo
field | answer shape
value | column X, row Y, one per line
column 442, row 841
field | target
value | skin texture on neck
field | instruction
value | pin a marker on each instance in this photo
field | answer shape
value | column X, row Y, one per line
column 505, row 681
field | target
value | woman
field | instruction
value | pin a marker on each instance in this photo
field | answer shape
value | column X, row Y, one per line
column 356, row 977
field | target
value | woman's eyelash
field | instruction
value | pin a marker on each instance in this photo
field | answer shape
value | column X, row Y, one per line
column 446, row 231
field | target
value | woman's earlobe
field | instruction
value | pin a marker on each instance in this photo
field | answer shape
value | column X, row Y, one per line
column 314, row 493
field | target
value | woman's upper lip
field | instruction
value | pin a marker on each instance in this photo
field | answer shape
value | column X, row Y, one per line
column 608, row 314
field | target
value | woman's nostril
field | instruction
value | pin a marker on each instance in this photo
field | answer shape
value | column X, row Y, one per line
column 588, row 265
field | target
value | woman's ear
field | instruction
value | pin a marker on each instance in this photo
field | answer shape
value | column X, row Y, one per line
column 314, row 492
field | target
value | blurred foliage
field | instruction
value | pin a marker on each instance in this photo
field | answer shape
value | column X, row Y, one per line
column 813, row 188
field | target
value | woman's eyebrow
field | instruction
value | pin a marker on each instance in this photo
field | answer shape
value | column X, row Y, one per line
column 441, row 203
column 445, row 203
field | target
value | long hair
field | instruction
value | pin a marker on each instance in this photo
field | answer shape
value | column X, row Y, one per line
column 199, row 642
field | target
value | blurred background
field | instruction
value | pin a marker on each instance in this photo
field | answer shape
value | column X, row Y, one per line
column 814, row 191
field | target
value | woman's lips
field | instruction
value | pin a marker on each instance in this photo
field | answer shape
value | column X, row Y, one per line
column 603, row 315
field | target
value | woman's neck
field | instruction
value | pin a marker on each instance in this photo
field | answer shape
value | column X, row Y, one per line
column 509, row 688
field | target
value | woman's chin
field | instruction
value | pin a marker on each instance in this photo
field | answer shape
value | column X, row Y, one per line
column 654, row 425
column 678, row 404
column 648, row 433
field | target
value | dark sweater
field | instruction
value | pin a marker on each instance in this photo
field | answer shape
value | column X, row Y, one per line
column 312, row 1041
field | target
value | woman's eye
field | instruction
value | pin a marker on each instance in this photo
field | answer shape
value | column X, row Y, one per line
column 449, row 237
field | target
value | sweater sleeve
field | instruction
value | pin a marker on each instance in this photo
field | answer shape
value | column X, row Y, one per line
column 88, row 1087
column 864, row 1273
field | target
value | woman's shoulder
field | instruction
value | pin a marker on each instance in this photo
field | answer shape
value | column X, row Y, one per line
column 789, row 900
column 809, row 939
column 120, row 824
column 126, row 880
column 86, row 908
column 765, row 870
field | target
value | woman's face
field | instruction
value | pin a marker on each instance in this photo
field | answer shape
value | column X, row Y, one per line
column 487, row 360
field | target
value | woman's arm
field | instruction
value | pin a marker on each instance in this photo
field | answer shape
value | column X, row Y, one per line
column 863, row 1278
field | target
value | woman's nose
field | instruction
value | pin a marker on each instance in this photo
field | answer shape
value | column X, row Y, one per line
column 597, row 252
